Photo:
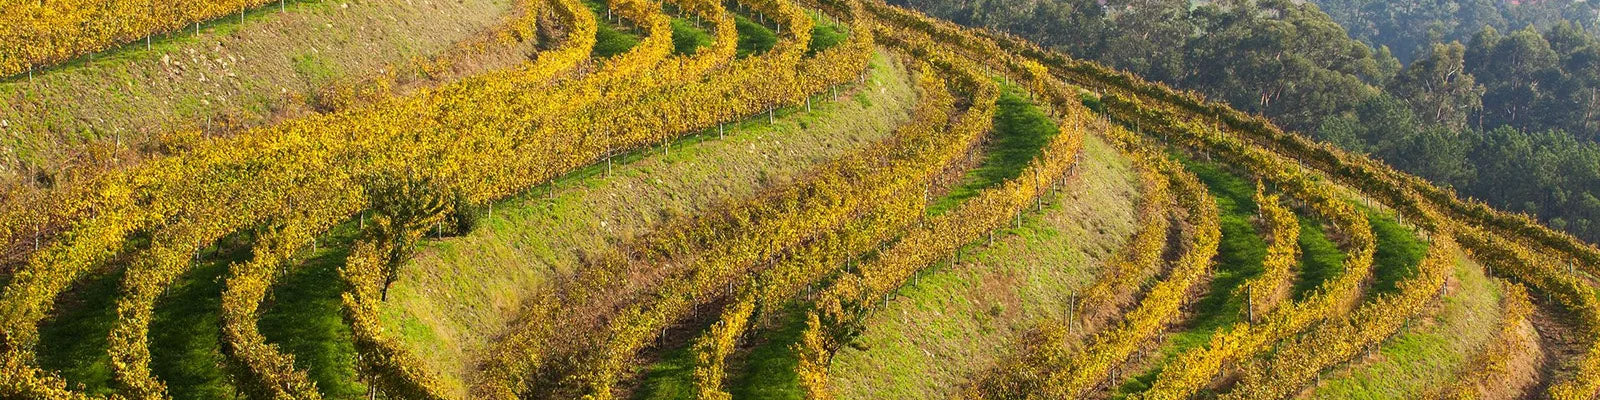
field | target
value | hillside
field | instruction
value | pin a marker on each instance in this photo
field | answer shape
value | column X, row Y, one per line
column 753, row 199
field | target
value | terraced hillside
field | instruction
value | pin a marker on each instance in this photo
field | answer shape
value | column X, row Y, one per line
column 699, row 199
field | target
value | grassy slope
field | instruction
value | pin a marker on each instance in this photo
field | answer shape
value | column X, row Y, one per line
column 1239, row 258
column 1430, row 353
column 460, row 291
column 956, row 321
column 249, row 70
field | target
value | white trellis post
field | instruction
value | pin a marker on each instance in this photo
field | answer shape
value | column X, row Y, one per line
column 1072, row 310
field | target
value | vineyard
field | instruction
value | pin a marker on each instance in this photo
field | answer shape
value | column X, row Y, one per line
column 695, row 199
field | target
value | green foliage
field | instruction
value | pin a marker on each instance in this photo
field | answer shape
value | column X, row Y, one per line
column 404, row 207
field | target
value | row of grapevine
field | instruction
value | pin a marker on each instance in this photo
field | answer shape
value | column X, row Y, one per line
column 266, row 372
column 24, row 295
column 1362, row 172
column 1493, row 372
column 1302, row 359
column 1415, row 197
column 524, row 74
column 783, row 280
column 1409, row 194
column 1361, row 247
column 853, row 295
column 1193, row 370
column 389, row 366
column 36, row 34
column 825, row 200
column 1084, row 369
column 1124, row 277
column 1577, row 296
column 170, row 189
column 1374, row 180
column 522, row 350
column 792, row 273
column 166, row 258
column 1264, row 292
column 1299, row 361
column 29, row 216
column 1038, row 351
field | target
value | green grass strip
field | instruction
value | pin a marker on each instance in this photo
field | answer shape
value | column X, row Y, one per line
column 1320, row 259
column 610, row 38
column 1239, row 258
column 688, row 38
column 1398, row 257
column 1020, row 132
